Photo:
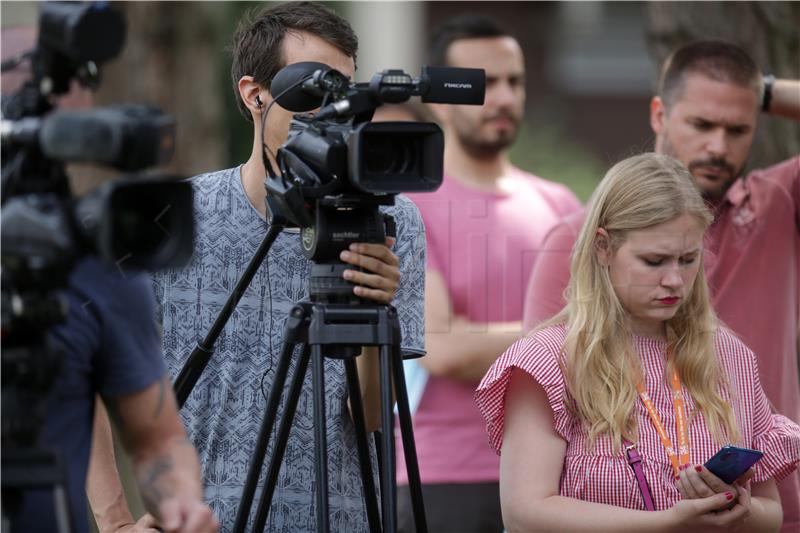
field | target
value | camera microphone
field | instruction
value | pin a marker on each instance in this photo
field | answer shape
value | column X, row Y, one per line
column 451, row 85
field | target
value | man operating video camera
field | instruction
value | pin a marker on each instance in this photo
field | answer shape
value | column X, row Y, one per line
column 223, row 411
column 76, row 322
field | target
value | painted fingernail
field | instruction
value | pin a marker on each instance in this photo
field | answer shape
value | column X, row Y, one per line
column 677, row 478
column 728, row 495
column 698, row 468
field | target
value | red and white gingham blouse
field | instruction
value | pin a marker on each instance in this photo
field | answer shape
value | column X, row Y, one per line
column 604, row 476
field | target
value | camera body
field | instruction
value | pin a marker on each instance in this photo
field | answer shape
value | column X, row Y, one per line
column 374, row 158
column 337, row 167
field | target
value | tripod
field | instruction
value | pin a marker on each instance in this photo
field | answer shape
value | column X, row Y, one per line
column 317, row 327
column 36, row 468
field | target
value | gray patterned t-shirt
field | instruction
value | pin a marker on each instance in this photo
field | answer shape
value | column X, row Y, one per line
column 223, row 413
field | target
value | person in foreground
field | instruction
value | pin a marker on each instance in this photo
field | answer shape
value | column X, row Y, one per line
column 110, row 362
column 637, row 349
column 705, row 114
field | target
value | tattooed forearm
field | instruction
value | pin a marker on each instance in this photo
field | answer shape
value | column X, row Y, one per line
column 152, row 491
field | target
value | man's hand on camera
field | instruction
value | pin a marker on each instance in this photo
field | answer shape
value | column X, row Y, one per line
column 382, row 276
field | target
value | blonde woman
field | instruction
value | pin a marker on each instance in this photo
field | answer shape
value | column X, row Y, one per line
column 612, row 407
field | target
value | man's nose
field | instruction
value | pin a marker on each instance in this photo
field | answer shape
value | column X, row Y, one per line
column 502, row 94
column 717, row 143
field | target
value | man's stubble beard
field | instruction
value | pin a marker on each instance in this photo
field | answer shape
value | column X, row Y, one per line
column 482, row 149
column 711, row 196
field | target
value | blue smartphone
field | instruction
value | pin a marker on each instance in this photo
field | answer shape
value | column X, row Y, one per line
column 731, row 462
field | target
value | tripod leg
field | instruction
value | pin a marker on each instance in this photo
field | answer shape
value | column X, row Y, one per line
column 62, row 508
column 388, row 473
column 291, row 335
column 409, row 448
column 368, row 482
column 262, row 512
column 320, row 437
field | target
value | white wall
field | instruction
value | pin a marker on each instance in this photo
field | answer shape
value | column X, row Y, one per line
column 390, row 35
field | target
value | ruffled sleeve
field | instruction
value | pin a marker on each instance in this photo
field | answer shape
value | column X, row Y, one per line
column 780, row 442
column 538, row 357
column 775, row 435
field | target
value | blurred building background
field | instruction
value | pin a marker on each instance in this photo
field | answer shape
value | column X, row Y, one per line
column 591, row 70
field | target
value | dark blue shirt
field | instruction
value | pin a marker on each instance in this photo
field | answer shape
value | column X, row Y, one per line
column 112, row 346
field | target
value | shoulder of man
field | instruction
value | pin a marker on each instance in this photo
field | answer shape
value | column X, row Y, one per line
column 406, row 215
column 777, row 183
column 212, row 180
column 559, row 195
column 569, row 227
column 100, row 281
column 208, row 188
column 786, row 172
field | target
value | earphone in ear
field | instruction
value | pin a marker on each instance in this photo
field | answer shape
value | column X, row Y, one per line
column 258, row 101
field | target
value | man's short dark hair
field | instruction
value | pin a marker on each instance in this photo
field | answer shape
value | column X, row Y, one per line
column 461, row 27
column 716, row 60
column 257, row 44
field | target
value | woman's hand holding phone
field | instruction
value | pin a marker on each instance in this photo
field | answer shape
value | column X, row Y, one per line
column 696, row 481
column 712, row 513
column 728, row 471
column 703, row 507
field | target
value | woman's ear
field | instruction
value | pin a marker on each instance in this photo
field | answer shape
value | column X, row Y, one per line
column 602, row 247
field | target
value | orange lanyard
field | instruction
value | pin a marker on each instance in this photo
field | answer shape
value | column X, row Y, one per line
column 680, row 418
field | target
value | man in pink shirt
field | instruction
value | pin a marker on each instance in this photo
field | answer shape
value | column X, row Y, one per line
column 484, row 227
column 705, row 115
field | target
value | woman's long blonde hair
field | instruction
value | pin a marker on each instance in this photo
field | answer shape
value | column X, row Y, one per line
column 601, row 366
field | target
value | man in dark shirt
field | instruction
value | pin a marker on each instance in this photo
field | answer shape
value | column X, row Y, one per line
column 110, row 345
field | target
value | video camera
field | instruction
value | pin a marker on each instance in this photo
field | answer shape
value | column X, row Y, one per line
column 337, row 167
column 137, row 222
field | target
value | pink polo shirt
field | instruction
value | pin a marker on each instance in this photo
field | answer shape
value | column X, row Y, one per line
column 753, row 269
column 484, row 244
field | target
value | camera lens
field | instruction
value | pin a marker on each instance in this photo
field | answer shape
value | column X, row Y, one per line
column 394, row 157
column 387, row 154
